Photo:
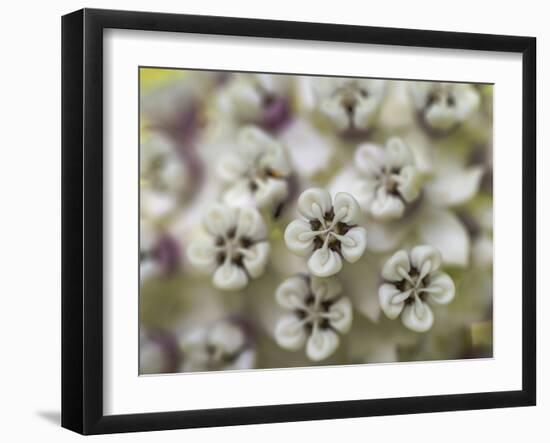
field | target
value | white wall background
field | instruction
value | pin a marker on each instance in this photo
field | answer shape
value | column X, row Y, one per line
column 30, row 219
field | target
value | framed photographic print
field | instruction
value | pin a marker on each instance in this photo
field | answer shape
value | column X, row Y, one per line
column 270, row 221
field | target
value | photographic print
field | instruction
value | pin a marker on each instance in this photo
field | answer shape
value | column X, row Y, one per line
column 298, row 220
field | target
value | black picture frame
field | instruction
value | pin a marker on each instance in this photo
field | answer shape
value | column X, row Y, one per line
column 82, row 220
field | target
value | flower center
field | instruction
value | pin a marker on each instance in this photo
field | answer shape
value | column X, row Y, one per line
column 414, row 285
column 257, row 174
column 389, row 180
column 315, row 313
column 443, row 97
column 329, row 232
column 232, row 248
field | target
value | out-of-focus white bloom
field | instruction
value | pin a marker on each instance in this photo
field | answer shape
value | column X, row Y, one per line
column 164, row 176
column 444, row 106
column 319, row 313
column 389, row 179
column 257, row 98
column 158, row 353
column 349, row 103
column 311, row 152
column 430, row 219
column 329, row 232
column 158, row 251
column 257, row 171
column 221, row 346
column 412, row 280
column 235, row 249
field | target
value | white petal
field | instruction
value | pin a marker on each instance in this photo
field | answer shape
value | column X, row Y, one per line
column 441, row 117
column 239, row 194
column 370, row 159
column 419, row 323
column 313, row 203
column 255, row 259
column 364, row 191
column 226, row 336
column 291, row 292
column 298, row 237
column 324, row 262
column 251, row 224
column 252, row 142
column 321, row 344
column 386, row 206
column 157, row 204
column 408, row 183
column 341, row 315
column 346, row 208
column 309, row 150
column 365, row 112
column 396, row 265
column 326, row 288
column 246, row 360
column 385, row 237
column 333, row 110
column 443, row 230
column 386, row 293
column 445, row 288
column 425, row 256
column 290, row 333
column 230, row 277
column 219, row 218
column 354, row 251
column 454, row 187
column 231, row 168
column 398, row 153
column 275, row 158
column 202, row 254
column 271, row 192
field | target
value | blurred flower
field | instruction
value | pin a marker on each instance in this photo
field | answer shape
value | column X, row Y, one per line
column 163, row 175
column 257, row 171
column 413, row 280
column 318, row 314
column 389, row 179
column 221, row 346
column 430, row 218
column 257, row 98
column 235, row 249
column 350, row 104
column 158, row 252
column 328, row 233
column 158, row 353
column 442, row 107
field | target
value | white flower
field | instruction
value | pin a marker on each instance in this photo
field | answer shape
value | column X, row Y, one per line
column 349, row 103
column 318, row 315
column 257, row 171
column 235, row 249
column 328, row 233
column 442, row 107
column 221, row 346
column 163, row 175
column 257, row 98
column 412, row 280
column 389, row 179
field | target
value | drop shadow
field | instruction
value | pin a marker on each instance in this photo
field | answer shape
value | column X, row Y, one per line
column 54, row 417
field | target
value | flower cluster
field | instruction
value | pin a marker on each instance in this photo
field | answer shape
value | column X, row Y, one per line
column 290, row 220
